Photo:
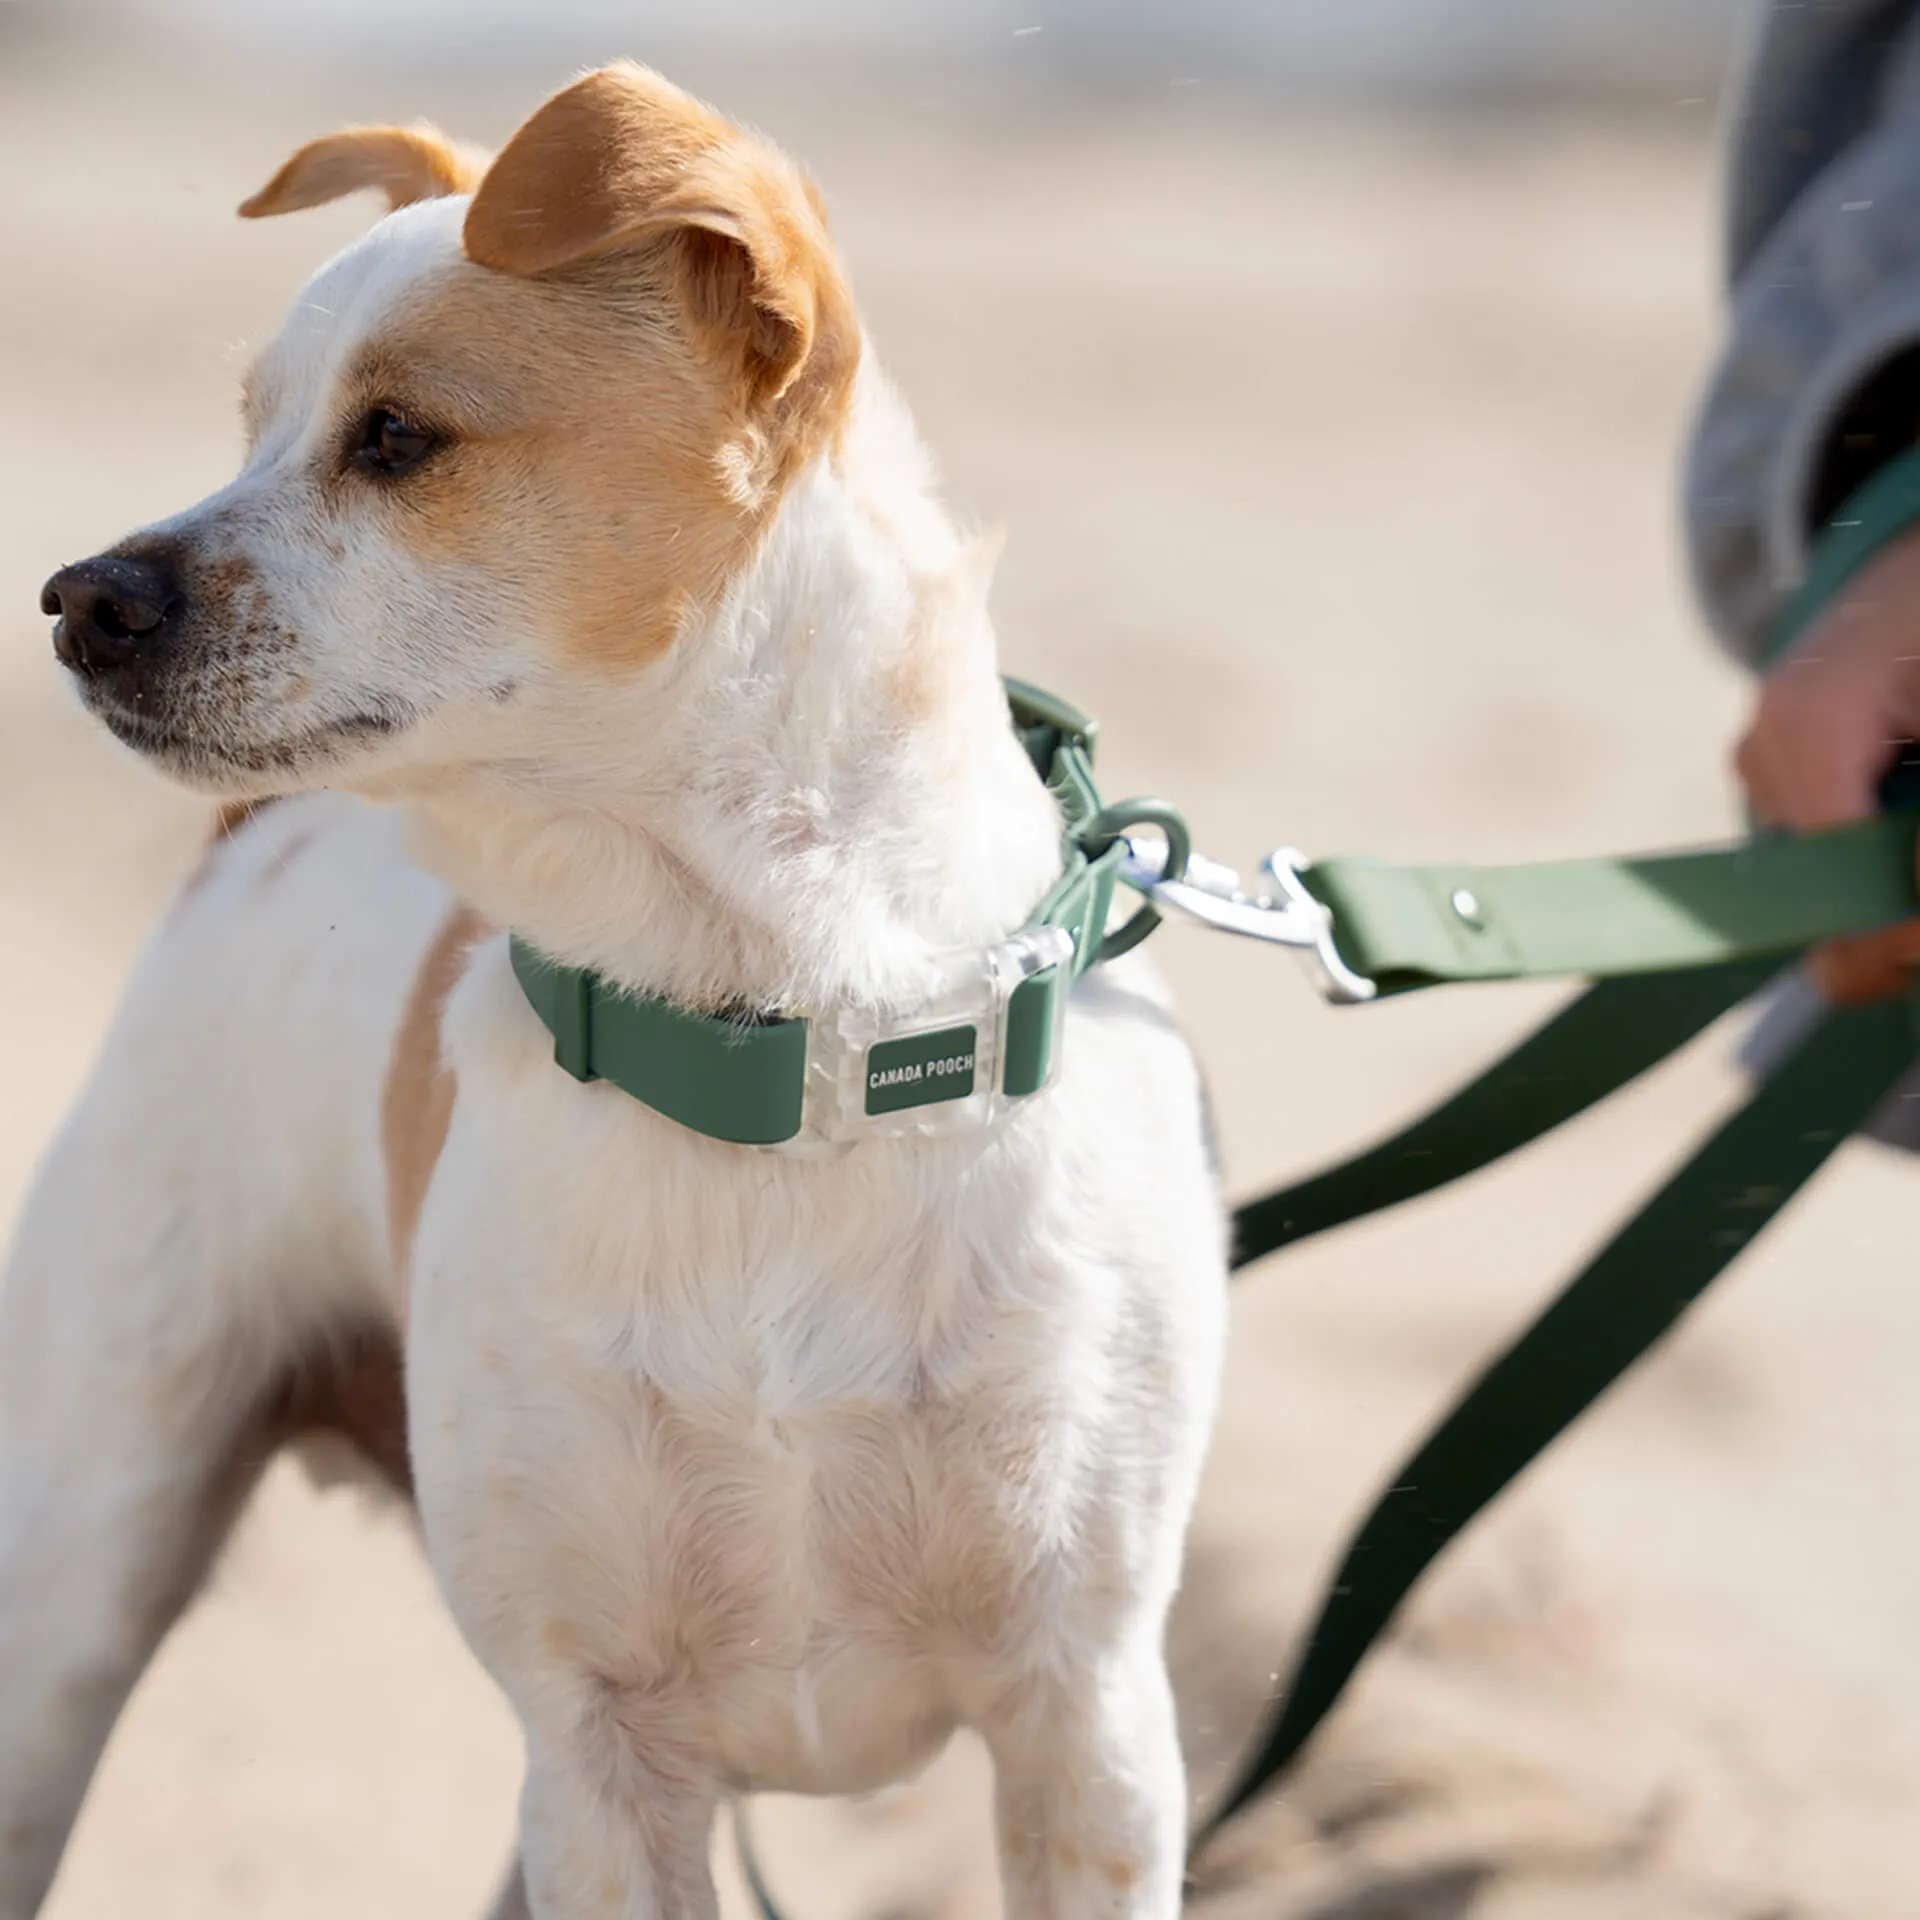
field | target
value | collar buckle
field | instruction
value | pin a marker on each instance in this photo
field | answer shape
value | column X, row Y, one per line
column 986, row 1039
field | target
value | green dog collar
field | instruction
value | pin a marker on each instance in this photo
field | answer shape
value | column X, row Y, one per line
column 986, row 1038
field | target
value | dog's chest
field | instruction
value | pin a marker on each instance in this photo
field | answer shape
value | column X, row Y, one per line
column 786, row 1480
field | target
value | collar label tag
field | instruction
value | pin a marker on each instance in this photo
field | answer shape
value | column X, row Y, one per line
column 920, row 1069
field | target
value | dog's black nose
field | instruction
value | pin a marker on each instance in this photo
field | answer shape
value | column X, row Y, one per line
column 110, row 611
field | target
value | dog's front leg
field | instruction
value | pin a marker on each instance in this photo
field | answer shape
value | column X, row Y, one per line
column 604, row 1836
column 1090, row 1794
column 128, row 1430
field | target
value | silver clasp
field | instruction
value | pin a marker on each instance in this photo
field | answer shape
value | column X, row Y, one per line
column 1289, row 916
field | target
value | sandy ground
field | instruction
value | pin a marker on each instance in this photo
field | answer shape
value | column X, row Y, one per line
column 1336, row 464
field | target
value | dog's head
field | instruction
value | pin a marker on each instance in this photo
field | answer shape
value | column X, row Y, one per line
column 511, row 438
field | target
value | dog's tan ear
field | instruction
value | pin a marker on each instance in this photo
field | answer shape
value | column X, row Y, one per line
column 622, row 158
column 405, row 163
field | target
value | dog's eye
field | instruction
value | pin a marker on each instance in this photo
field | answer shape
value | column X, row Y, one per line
column 391, row 445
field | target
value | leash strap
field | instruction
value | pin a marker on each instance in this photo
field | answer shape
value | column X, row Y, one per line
column 1619, row 1307
column 1592, row 1047
column 1411, row 927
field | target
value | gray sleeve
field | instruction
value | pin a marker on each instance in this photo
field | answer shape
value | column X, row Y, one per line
column 1806, row 87
column 1827, row 290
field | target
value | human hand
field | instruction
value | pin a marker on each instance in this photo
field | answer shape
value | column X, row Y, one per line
column 1829, row 719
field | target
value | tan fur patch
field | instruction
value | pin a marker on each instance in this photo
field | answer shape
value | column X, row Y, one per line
column 663, row 339
column 232, row 816
column 404, row 163
column 566, row 396
column 622, row 156
column 416, row 1105
column 928, row 678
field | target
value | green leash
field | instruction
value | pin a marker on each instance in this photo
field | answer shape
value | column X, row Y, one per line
column 1411, row 927
column 1794, row 892
column 1609, row 1036
column 1618, row 1308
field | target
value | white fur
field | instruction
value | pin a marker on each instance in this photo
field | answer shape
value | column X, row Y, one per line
column 738, row 1472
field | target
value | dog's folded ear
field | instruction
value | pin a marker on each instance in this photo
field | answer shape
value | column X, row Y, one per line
column 624, row 160
column 405, row 163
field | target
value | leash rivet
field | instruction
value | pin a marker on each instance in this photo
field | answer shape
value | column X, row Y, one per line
column 1467, row 905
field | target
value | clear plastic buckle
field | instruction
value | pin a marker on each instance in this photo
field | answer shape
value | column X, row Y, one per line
column 937, row 1069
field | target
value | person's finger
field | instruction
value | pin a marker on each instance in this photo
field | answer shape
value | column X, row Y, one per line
column 1753, row 766
column 1867, row 966
column 1833, row 780
column 1813, row 754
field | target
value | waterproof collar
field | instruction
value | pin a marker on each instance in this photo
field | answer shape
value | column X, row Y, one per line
column 986, row 1038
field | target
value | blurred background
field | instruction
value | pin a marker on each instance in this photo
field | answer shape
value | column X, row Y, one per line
column 1392, row 52
column 1326, row 365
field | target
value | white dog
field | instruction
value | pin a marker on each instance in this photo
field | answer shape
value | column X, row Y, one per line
column 578, row 523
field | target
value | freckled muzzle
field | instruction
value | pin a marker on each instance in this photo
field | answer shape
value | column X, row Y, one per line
column 131, row 626
column 184, row 657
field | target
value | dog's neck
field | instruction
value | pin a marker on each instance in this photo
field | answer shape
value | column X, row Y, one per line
column 814, row 795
